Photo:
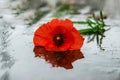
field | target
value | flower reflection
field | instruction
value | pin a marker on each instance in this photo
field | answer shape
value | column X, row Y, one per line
column 58, row 58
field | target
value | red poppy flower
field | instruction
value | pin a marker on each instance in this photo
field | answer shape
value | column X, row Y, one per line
column 58, row 35
column 59, row 59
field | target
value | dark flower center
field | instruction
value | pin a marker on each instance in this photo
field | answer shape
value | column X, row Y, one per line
column 58, row 39
column 59, row 55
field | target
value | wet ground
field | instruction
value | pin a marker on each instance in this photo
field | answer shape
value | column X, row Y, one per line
column 17, row 61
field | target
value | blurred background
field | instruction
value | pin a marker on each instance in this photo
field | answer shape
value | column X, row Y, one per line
column 34, row 10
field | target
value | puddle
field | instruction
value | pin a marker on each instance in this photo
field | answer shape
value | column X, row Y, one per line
column 18, row 62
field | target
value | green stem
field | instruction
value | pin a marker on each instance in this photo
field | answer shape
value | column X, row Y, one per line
column 82, row 22
column 85, row 31
column 93, row 30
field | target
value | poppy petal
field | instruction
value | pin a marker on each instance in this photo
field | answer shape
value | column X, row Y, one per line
column 44, row 36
